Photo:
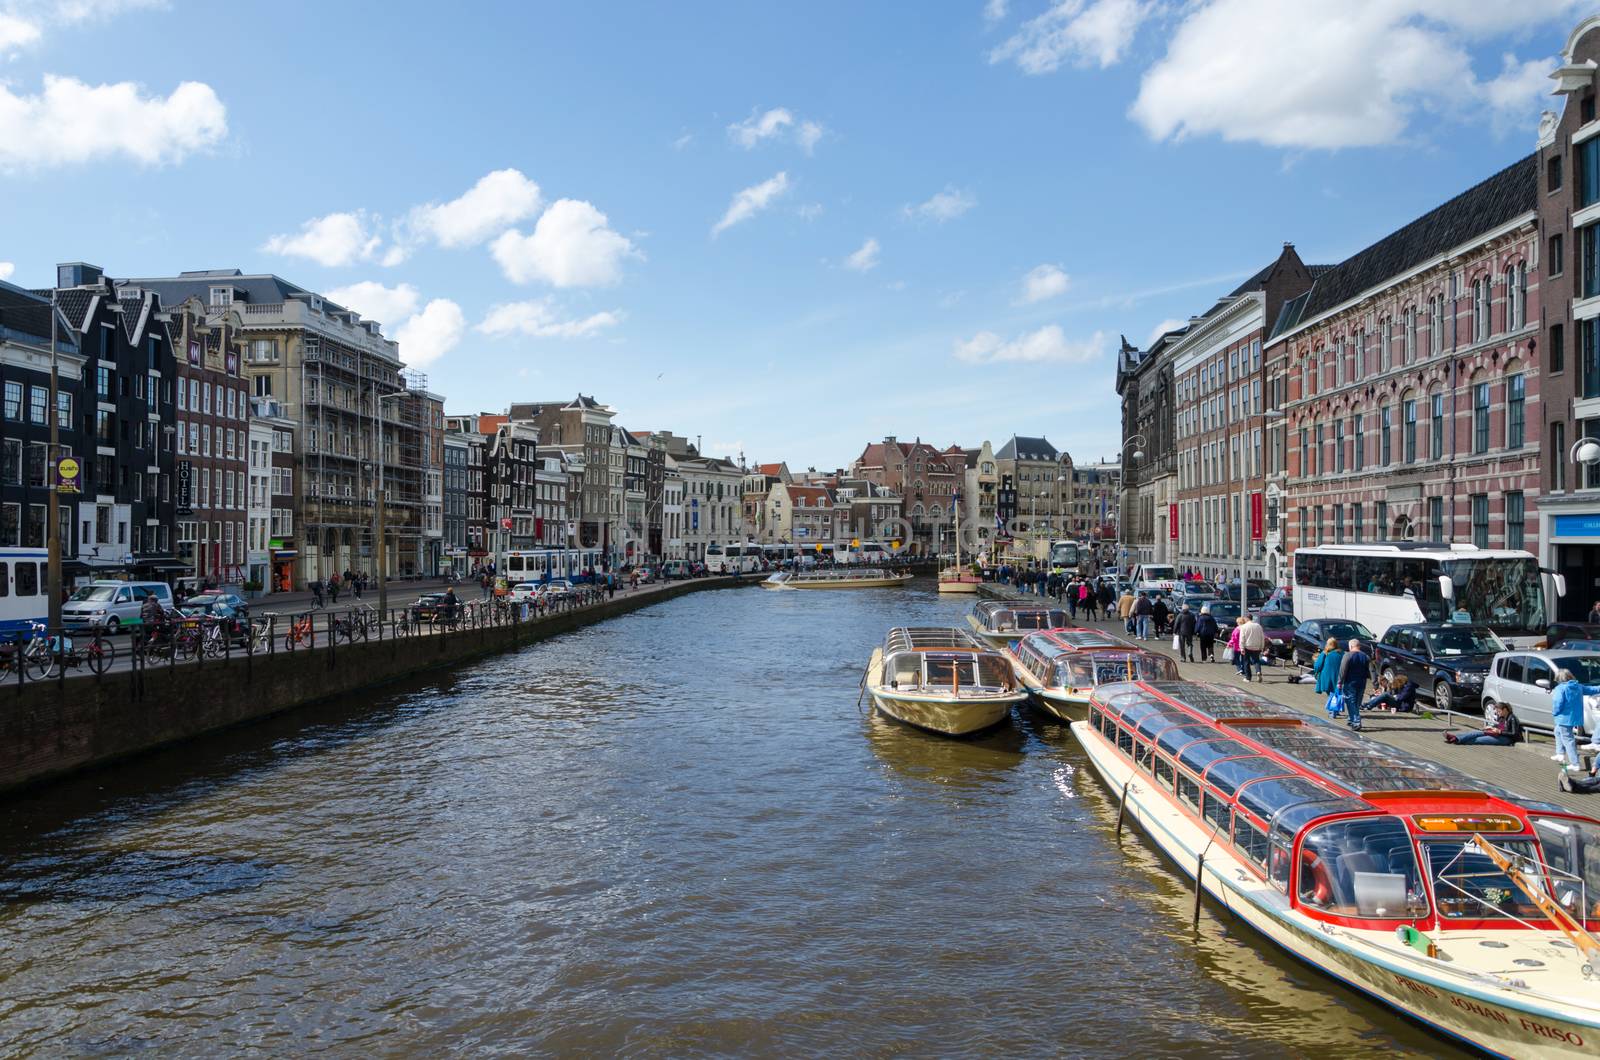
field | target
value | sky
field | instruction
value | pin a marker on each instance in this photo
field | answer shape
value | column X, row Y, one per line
column 786, row 229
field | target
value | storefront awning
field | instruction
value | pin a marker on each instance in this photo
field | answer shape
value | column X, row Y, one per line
column 161, row 563
column 284, row 553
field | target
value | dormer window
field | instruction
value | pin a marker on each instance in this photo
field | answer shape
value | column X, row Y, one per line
column 222, row 296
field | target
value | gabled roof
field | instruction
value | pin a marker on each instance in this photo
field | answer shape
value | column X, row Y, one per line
column 813, row 496
column 26, row 315
column 1021, row 447
column 1481, row 208
column 769, row 469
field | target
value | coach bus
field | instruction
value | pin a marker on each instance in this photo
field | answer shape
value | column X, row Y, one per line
column 1381, row 585
column 1064, row 557
column 734, row 558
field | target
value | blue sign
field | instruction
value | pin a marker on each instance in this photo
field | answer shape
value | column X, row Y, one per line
column 1578, row 525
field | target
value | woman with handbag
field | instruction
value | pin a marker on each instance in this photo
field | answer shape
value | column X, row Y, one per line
column 1326, row 668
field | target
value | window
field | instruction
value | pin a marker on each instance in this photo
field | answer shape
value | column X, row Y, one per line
column 1556, row 255
column 1516, row 519
column 1586, row 109
column 1436, row 323
column 1588, row 261
column 1364, row 867
column 1552, row 173
column 1480, row 417
column 1305, row 451
column 1436, row 518
column 38, row 404
column 13, row 401
column 1410, row 353
column 1555, row 349
column 1408, row 431
column 1338, row 447
column 1480, row 520
column 1338, row 524
column 1380, row 521
column 1589, row 167
column 1385, row 454
column 1436, row 428
column 1516, row 410
column 1318, row 451
column 1357, row 511
column 1358, row 445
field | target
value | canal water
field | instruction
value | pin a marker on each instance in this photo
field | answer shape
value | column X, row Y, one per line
column 672, row 833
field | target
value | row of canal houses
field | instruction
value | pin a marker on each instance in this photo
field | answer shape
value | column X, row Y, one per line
column 1434, row 386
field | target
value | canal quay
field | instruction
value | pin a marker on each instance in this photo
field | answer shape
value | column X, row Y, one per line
column 674, row 832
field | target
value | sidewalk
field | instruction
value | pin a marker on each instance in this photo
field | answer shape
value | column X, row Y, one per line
column 400, row 592
column 1524, row 767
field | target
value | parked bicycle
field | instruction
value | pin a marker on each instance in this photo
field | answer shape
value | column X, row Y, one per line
column 356, row 624
column 300, row 632
column 38, row 654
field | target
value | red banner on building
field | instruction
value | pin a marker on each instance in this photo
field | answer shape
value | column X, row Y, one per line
column 1172, row 522
column 1257, row 519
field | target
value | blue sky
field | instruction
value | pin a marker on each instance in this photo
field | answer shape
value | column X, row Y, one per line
column 790, row 229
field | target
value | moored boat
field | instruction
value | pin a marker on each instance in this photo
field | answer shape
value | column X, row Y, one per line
column 999, row 622
column 1061, row 668
column 942, row 680
column 959, row 580
column 1455, row 902
column 837, row 578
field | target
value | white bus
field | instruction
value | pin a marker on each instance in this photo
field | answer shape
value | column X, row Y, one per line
column 1064, row 557
column 549, row 564
column 1381, row 585
column 734, row 558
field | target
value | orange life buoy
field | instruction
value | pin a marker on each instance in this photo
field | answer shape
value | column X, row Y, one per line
column 1322, row 884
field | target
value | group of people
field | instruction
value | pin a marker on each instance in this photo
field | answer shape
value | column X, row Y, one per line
column 323, row 591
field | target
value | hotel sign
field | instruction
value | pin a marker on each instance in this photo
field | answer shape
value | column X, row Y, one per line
column 185, row 488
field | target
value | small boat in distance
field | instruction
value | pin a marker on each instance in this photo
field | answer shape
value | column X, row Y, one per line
column 837, row 578
column 942, row 680
column 956, row 578
column 1063, row 667
column 999, row 622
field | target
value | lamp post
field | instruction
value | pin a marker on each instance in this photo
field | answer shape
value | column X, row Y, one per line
column 1244, row 537
column 1138, row 454
column 379, row 505
column 52, row 529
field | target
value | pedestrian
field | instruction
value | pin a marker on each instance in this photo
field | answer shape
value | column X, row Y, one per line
column 316, row 590
column 1107, row 598
column 1326, row 668
column 1500, row 728
column 1125, row 609
column 1183, row 628
column 1143, row 612
column 1160, row 613
column 483, row 582
column 1235, row 649
column 1566, row 707
column 1253, row 639
column 333, row 589
column 1353, row 673
column 611, row 586
column 1205, row 631
column 355, row 584
column 1594, row 614
column 1086, row 599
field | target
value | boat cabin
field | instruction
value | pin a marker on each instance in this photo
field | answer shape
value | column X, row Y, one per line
column 943, row 661
column 1084, row 659
column 1351, row 831
column 1009, row 616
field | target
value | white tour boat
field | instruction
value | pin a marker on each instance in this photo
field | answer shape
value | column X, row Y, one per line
column 1457, row 903
column 956, row 578
column 941, row 680
column 837, row 578
column 1061, row 668
column 999, row 622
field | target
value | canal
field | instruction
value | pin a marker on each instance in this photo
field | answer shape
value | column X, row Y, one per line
column 670, row 833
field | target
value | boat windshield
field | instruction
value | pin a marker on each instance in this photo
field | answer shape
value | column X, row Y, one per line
column 1572, row 853
column 970, row 670
column 1467, row 885
column 1365, row 867
column 1129, row 666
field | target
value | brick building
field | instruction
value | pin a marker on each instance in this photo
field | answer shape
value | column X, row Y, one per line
column 1411, row 378
column 213, row 437
column 919, row 474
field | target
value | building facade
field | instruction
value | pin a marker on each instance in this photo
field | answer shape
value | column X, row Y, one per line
column 1041, row 476
column 1148, row 525
column 270, row 526
column 455, row 503
column 925, row 480
column 213, row 432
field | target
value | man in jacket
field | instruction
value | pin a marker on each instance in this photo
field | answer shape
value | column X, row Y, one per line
column 1143, row 611
column 1206, row 630
column 1161, row 612
column 1252, row 641
column 1566, row 705
column 1353, row 674
column 1183, row 626
column 1125, row 609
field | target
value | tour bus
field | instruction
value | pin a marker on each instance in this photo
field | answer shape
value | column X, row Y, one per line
column 549, row 564
column 1391, row 583
column 1064, row 557
column 24, row 574
column 737, row 558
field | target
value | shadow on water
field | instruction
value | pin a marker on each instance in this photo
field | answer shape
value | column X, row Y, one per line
column 968, row 762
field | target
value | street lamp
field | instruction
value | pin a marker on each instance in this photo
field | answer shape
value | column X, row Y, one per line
column 1585, row 450
column 1244, row 538
column 1137, row 454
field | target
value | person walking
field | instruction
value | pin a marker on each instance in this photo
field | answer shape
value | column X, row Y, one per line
column 1160, row 612
column 1125, row 609
column 1107, row 599
column 1184, row 626
column 1086, row 599
column 1326, row 668
column 1566, row 707
column 333, row 589
column 1594, row 614
column 1205, row 631
column 1354, row 671
column 1253, row 639
column 1235, row 650
column 1143, row 612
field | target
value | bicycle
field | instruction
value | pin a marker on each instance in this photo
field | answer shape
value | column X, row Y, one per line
column 260, row 636
column 299, row 630
column 98, row 655
column 35, row 654
column 354, row 625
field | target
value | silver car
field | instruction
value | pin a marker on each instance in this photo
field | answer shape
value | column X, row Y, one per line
column 1522, row 680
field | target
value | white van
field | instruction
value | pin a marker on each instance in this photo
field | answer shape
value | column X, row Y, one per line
column 1159, row 578
column 111, row 605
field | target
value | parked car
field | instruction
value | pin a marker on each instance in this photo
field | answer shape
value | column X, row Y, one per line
column 1225, row 611
column 1561, row 633
column 428, row 607
column 226, row 605
column 675, row 570
column 1280, row 599
column 1279, row 627
column 111, row 605
column 1522, row 680
column 1447, row 660
column 523, row 592
column 1313, row 633
column 560, row 589
column 1256, row 592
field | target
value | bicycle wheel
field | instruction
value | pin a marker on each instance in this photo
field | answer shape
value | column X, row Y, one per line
column 186, row 645
column 100, row 654
column 41, row 663
column 341, row 632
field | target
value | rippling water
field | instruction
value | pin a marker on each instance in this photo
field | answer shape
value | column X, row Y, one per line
column 671, row 833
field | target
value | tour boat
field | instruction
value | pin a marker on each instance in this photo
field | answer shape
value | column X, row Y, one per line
column 1061, row 668
column 999, row 622
column 942, row 680
column 1455, row 902
column 837, row 578
column 956, row 578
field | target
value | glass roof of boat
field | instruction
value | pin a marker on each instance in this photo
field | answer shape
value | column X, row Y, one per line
column 912, row 638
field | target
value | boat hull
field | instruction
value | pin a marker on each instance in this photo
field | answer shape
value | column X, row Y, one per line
column 1482, row 1010
column 946, row 715
column 842, row 583
column 957, row 587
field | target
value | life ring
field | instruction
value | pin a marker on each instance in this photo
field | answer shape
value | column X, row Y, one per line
column 1322, row 883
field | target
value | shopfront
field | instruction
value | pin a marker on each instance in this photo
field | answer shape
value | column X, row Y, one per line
column 283, row 555
column 1570, row 545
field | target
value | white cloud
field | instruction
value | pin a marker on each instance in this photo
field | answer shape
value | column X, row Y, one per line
column 1048, row 344
column 23, row 22
column 572, row 245
column 72, row 122
column 809, row 211
column 1170, row 324
column 864, row 259
column 432, row 333
column 995, row 11
column 493, row 204
column 336, row 239
column 387, row 305
column 944, row 206
column 683, row 141
column 6, row 269
column 1044, row 282
column 1241, row 70
column 751, row 201
column 17, row 32
column 807, row 135
column 760, row 126
column 1094, row 33
column 539, row 319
